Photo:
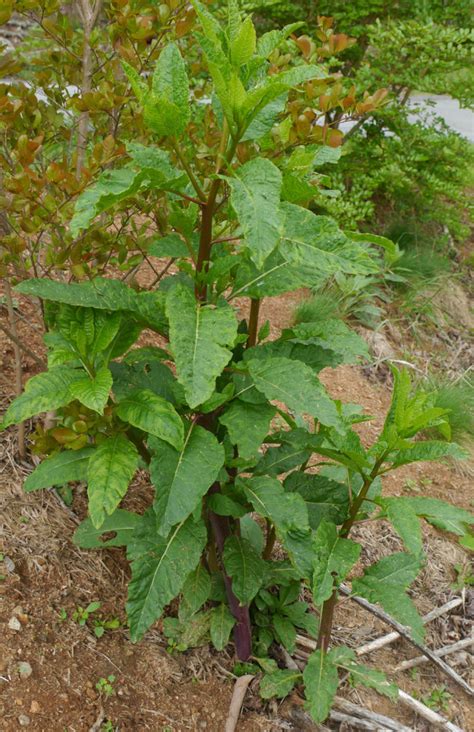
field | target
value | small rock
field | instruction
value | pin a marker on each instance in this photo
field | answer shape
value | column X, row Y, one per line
column 24, row 720
column 9, row 564
column 25, row 670
column 14, row 624
column 35, row 707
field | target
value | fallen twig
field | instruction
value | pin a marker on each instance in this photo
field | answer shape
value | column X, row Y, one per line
column 403, row 631
column 444, row 651
column 381, row 720
column 240, row 689
column 357, row 722
column 391, row 637
column 427, row 713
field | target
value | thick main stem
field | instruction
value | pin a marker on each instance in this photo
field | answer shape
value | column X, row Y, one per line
column 242, row 630
column 253, row 322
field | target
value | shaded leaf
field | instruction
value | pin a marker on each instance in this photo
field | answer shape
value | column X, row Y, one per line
column 248, row 425
column 325, row 498
column 333, row 558
column 222, row 622
column 279, row 683
column 245, row 567
column 151, row 413
column 111, row 468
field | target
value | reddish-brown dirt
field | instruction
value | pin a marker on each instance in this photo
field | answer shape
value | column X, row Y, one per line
column 45, row 578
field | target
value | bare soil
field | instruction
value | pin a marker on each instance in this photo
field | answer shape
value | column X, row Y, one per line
column 45, row 578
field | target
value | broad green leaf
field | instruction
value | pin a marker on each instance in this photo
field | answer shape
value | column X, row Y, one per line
column 245, row 567
column 160, row 567
column 392, row 250
column 294, row 450
column 191, row 632
column 255, row 197
column 275, row 277
column 330, row 334
column 299, row 545
column 294, row 384
column 139, row 86
column 225, row 506
column 166, row 108
column 244, row 43
column 285, row 631
column 286, row 511
column 110, row 470
column 102, row 294
column 279, row 683
column 196, row 591
column 182, row 477
column 263, row 122
column 428, row 450
column 154, row 376
column 405, row 522
column 168, row 246
column 64, row 467
column 200, row 337
column 251, row 532
column 321, row 682
column 152, row 414
column 222, row 622
column 93, row 392
column 441, row 514
column 268, row 42
column 248, row 425
column 333, row 558
column 325, row 498
column 43, row 393
column 318, row 248
column 121, row 523
column 385, row 582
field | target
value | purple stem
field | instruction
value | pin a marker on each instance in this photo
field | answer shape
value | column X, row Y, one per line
column 242, row 629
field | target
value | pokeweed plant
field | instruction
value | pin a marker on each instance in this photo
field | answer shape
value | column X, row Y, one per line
column 229, row 425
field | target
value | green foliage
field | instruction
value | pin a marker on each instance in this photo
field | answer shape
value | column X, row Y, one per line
column 230, row 426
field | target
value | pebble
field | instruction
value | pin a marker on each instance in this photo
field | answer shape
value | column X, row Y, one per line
column 24, row 720
column 35, row 707
column 14, row 624
column 24, row 669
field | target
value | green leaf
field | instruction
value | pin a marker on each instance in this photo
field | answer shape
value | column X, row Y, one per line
column 121, row 523
column 111, row 468
column 152, row 414
column 268, row 42
column 154, row 376
column 243, row 45
column 385, row 582
column 293, row 452
column 333, row 559
column 222, row 622
column 325, row 498
column 255, row 197
column 200, row 336
column 318, row 248
column 294, row 384
column 159, row 568
column 43, row 393
column 182, row 477
column 225, row 506
column 247, row 425
column 168, row 246
column 332, row 335
column 245, row 567
column 93, row 392
column 139, row 86
column 441, row 514
column 63, row 467
column 428, row 450
column 166, row 109
column 251, row 532
column 275, row 277
column 285, row 631
column 279, row 683
column 321, row 682
column 196, row 591
column 405, row 522
column 286, row 511
column 360, row 674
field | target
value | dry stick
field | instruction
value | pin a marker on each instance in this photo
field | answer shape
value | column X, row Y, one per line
column 444, row 651
column 240, row 689
column 23, row 347
column 380, row 719
column 357, row 722
column 385, row 640
column 427, row 713
column 402, row 630
column 18, row 369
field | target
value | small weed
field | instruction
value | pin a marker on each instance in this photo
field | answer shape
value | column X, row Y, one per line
column 464, row 577
column 411, row 485
column 105, row 687
column 81, row 615
column 102, row 624
column 438, row 699
column 62, row 614
column 107, row 726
